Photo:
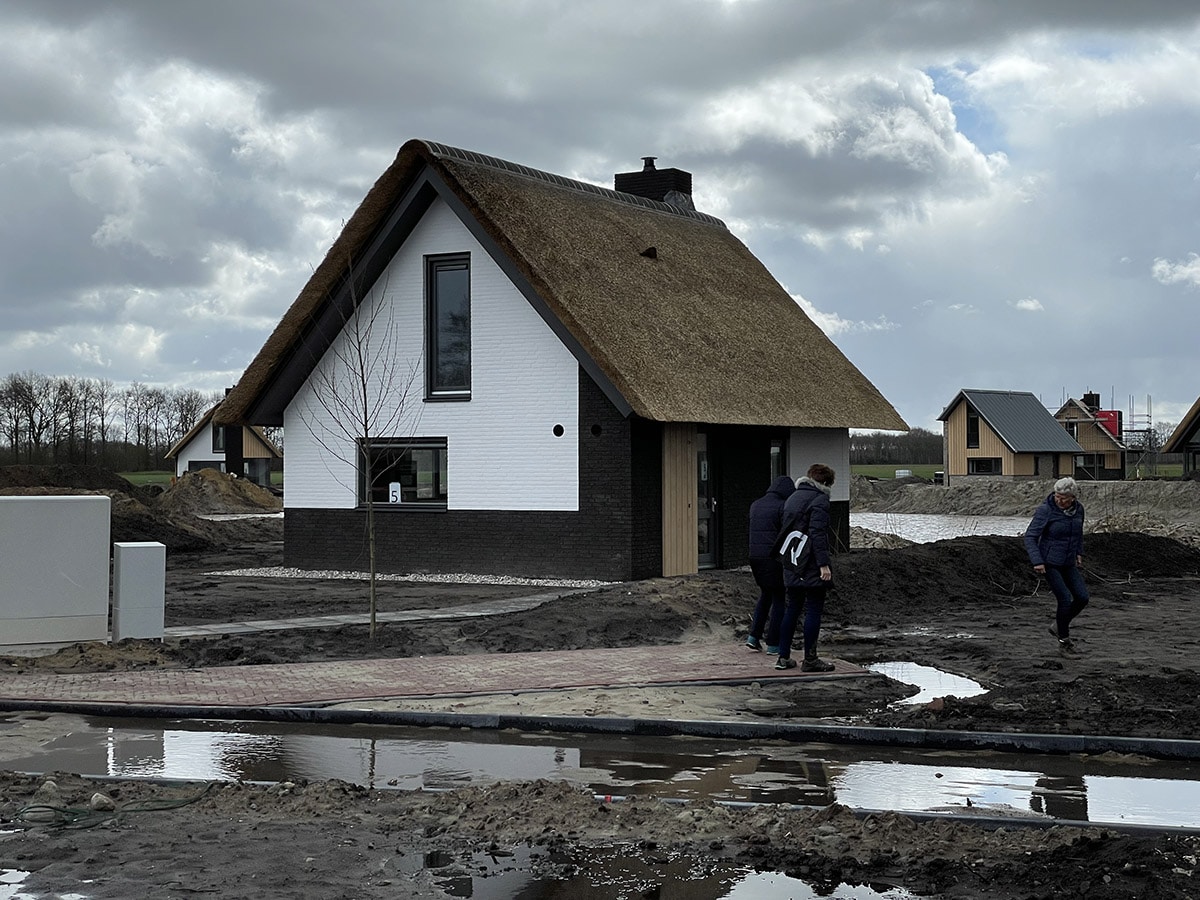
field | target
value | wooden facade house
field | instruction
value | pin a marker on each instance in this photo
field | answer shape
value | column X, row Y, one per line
column 1104, row 456
column 1004, row 434
column 205, row 447
column 578, row 381
column 1185, row 439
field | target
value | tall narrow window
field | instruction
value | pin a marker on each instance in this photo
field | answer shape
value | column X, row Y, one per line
column 218, row 435
column 972, row 430
column 448, row 327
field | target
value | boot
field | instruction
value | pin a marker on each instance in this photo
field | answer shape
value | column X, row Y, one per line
column 812, row 663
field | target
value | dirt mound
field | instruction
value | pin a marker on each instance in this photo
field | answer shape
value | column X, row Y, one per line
column 899, row 581
column 170, row 519
column 209, row 492
column 85, row 478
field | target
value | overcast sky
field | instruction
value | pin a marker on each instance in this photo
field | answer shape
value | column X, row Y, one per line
column 962, row 193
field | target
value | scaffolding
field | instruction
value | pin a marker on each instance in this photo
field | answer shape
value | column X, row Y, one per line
column 1140, row 440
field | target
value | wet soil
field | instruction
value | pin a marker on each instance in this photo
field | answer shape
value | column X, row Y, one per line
column 971, row 606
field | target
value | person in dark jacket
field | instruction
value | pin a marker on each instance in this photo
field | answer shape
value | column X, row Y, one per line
column 766, row 516
column 1054, row 541
column 807, row 510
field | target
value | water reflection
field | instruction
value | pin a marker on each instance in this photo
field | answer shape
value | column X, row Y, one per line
column 923, row 528
column 933, row 683
column 622, row 872
column 681, row 768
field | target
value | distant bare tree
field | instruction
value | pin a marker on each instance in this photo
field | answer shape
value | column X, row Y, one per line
column 1162, row 432
column 362, row 390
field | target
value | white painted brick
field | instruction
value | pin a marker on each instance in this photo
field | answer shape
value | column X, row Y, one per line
column 502, row 450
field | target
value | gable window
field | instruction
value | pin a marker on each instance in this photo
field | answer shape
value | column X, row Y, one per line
column 218, row 436
column 972, row 430
column 405, row 472
column 983, row 465
column 448, row 327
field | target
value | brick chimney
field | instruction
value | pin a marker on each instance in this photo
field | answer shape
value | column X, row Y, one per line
column 672, row 186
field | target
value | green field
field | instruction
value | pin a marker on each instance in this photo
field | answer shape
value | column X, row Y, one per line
column 889, row 471
column 152, row 477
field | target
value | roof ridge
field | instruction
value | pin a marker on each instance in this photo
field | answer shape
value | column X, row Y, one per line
column 481, row 159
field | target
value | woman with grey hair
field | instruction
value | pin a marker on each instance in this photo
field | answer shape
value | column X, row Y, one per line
column 1054, row 541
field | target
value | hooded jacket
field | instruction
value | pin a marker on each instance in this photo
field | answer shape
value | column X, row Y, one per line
column 766, row 517
column 808, row 510
column 1055, row 536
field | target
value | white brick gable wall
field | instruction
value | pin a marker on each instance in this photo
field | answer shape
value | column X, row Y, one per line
column 502, row 450
column 198, row 448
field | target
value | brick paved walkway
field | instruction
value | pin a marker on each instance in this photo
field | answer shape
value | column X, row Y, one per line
column 296, row 684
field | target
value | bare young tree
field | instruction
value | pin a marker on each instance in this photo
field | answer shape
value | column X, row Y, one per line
column 362, row 392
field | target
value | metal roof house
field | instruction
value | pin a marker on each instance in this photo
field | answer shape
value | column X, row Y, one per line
column 597, row 382
column 1004, row 434
column 1185, row 439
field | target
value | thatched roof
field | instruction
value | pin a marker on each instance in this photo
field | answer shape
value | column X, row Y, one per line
column 669, row 312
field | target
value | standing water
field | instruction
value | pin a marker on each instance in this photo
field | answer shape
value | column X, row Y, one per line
column 924, row 529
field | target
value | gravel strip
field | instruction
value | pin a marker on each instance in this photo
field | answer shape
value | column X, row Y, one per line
column 284, row 572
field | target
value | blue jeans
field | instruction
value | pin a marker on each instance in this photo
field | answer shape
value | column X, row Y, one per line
column 812, row 601
column 768, row 612
column 1072, row 594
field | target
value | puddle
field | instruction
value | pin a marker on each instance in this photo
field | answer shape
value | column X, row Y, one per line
column 923, row 528
column 627, row 872
column 10, row 883
column 1101, row 790
column 933, row 683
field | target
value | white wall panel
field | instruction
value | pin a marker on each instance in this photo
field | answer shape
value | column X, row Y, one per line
column 503, row 453
column 54, row 569
column 830, row 446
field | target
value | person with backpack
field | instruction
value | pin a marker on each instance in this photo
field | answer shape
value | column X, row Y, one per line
column 807, row 511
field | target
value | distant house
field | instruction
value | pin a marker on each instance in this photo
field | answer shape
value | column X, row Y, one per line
column 1098, row 432
column 1185, row 439
column 1004, row 434
column 601, row 380
column 204, row 447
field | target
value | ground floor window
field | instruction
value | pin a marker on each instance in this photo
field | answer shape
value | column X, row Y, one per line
column 983, row 465
column 406, row 472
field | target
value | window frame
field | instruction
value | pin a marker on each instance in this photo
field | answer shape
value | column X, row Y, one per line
column 382, row 488
column 995, row 465
column 434, row 349
column 972, row 430
column 218, row 439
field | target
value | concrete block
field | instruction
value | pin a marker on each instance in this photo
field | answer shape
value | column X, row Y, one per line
column 139, row 588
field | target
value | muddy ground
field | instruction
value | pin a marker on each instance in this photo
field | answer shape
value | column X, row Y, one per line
column 971, row 606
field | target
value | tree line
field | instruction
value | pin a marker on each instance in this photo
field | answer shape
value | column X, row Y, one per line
column 920, row 446
column 47, row 420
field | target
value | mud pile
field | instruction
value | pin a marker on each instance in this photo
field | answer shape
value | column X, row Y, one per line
column 209, row 492
column 170, row 518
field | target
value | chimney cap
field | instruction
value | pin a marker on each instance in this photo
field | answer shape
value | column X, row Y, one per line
column 649, row 163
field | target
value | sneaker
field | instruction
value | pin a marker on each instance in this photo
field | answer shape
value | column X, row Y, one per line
column 752, row 643
column 1063, row 643
column 813, row 664
column 773, row 649
column 785, row 662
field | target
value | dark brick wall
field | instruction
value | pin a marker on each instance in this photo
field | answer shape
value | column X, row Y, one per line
column 647, row 549
column 595, row 542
